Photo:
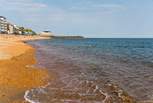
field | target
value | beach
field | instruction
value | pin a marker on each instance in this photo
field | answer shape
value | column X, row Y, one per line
column 17, row 73
column 76, row 51
column 24, row 80
column 45, row 70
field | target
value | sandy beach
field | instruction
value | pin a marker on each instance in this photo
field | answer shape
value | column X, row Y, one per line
column 20, row 78
column 16, row 71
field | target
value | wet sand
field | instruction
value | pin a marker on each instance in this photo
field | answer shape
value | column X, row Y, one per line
column 16, row 71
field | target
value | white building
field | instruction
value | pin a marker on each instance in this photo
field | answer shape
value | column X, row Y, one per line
column 3, row 25
column 46, row 33
column 7, row 27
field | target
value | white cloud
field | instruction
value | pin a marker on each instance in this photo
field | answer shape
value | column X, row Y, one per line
column 20, row 5
column 77, row 16
column 113, row 6
column 98, row 8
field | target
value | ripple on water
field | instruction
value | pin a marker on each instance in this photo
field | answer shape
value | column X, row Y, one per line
column 84, row 91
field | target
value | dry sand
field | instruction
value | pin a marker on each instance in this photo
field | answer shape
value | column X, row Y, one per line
column 16, row 73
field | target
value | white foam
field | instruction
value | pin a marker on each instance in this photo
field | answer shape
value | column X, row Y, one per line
column 26, row 97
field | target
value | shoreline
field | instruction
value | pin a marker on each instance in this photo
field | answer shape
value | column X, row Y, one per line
column 65, row 80
column 17, row 59
column 17, row 73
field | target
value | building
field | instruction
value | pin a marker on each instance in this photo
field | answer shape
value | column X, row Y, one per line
column 3, row 25
column 15, row 29
column 7, row 27
column 10, row 28
column 46, row 33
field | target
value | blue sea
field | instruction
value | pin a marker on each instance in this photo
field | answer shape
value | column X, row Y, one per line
column 84, row 66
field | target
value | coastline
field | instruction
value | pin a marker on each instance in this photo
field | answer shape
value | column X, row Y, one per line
column 16, row 71
column 67, row 85
column 19, row 76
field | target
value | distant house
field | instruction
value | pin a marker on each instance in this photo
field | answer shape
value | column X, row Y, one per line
column 46, row 33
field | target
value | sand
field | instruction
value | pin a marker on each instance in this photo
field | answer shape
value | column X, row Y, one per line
column 7, row 37
column 16, row 71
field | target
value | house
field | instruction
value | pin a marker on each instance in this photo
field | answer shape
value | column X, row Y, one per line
column 46, row 33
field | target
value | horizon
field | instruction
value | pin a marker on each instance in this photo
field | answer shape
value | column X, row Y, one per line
column 88, row 18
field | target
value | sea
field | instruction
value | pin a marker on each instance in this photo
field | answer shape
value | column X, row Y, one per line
column 94, row 70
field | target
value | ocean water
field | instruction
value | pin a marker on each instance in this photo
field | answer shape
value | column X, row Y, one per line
column 95, row 70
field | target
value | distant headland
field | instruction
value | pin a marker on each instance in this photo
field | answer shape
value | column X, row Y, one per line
column 68, row 37
column 51, row 34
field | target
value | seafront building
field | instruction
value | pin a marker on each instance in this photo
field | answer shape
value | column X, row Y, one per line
column 3, row 25
column 7, row 27
column 46, row 33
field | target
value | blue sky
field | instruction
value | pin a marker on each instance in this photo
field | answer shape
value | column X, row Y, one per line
column 90, row 18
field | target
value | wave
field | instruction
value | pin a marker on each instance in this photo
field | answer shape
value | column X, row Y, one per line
column 86, row 91
column 28, row 98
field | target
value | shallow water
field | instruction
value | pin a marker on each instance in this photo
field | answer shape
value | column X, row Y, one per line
column 90, row 70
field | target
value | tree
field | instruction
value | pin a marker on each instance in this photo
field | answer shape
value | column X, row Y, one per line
column 27, row 31
column 22, row 30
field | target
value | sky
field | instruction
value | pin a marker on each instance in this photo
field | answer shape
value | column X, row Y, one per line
column 89, row 18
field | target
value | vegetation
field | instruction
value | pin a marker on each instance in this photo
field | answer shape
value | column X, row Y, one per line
column 27, row 31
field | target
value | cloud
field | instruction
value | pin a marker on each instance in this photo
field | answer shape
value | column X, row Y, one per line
column 79, row 16
column 21, row 5
column 97, row 7
column 109, row 6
